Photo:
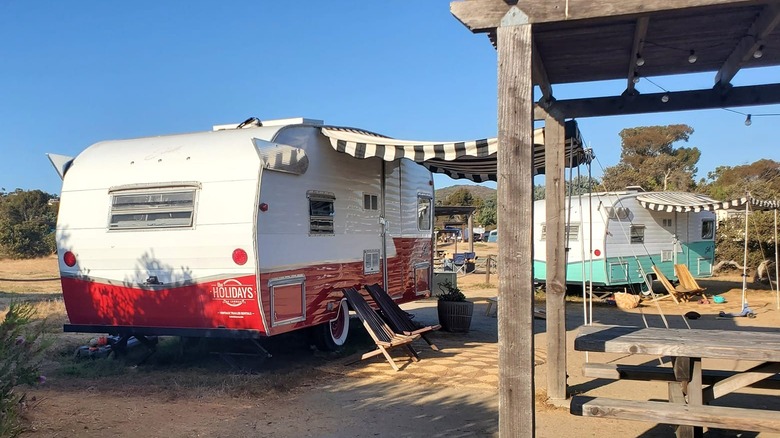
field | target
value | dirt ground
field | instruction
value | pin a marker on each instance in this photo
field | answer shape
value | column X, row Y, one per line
column 189, row 392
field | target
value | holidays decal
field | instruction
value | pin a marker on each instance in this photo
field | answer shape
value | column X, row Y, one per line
column 232, row 292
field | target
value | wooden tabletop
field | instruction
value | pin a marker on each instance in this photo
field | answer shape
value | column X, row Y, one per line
column 720, row 344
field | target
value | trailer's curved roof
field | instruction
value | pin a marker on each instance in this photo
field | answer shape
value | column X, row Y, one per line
column 474, row 160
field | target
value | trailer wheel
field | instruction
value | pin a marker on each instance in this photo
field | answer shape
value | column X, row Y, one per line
column 333, row 335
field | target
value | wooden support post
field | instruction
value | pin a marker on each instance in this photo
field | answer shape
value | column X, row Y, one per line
column 555, row 186
column 515, row 216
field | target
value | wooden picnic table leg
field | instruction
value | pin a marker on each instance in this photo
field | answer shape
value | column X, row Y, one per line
column 687, row 390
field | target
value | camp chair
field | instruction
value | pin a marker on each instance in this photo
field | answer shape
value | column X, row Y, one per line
column 679, row 293
column 384, row 337
column 459, row 262
column 686, row 278
column 396, row 318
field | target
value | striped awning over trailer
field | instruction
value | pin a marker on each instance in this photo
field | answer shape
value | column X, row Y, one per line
column 691, row 202
column 474, row 160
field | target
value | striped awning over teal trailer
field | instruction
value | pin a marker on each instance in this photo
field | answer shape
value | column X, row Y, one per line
column 474, row 160
column 692, row 202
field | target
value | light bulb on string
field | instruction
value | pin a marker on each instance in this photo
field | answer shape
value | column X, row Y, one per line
column 639, row 60
column 759, row 52
column 748, row 120
column 692, row 57
column 665, row 98
column 636, row 78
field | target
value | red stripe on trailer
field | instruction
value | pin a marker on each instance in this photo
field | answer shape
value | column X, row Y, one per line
column 229, row 303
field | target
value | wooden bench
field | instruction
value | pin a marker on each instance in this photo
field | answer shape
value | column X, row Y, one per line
column 649, row 373
column 672, row 413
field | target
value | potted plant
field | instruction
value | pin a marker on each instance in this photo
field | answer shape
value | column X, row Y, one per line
column 454, row 311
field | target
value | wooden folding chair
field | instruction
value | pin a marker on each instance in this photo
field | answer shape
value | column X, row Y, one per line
column 679, row 293
column 383, row 336
column 686, row 278
column 396, row 317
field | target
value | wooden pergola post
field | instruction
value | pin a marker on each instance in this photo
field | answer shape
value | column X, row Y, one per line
column 554, row 163
column 515, row 215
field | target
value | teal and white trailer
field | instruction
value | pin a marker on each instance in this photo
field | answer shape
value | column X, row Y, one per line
column 614, row 238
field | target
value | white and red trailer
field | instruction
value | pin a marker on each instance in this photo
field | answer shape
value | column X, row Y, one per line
column 245, row 231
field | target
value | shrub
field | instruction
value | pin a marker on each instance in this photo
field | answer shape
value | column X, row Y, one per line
column 21, row 346
column 451, row 292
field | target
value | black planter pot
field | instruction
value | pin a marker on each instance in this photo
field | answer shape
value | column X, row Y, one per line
column 455, row 316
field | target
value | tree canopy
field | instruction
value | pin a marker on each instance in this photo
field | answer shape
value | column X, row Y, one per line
column 27, row 224
column 650, row 160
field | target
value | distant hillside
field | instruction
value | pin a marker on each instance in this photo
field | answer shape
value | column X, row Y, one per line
column 476, row 191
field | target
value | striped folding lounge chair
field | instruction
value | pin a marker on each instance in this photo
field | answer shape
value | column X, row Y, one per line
column 398, row 319
column 383, row 336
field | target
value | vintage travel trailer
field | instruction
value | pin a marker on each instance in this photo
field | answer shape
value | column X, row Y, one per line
column 245, row 231
column 615, row 238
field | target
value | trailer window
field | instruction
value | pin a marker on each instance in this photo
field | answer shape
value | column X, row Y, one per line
column 321, row 212
column 617, row 213
column 152, row 209
column 708, row 229
column 370, row 202
column 423, row 212
column 637, row 234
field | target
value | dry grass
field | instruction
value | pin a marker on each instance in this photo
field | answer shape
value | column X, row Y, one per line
column 30, row 276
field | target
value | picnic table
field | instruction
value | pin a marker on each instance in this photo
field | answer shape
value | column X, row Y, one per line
column 691, row 387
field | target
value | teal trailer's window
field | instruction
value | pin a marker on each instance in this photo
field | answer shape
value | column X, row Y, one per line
column 708, row 229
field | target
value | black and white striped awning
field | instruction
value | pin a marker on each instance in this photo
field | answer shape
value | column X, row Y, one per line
column 474, row 160
column 690, row 202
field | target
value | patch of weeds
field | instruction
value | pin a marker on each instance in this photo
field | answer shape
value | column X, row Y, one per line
column 93, row 368
column 22, row 345
column 484, row 286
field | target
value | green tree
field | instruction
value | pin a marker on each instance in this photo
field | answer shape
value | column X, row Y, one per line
column 487, row 215
column 762, row 180
column 649, row 159
column 27, row 224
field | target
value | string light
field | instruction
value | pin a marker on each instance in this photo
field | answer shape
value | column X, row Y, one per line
column 665, row 98
column 749, row 117
column 692, row 57
column 636, row 78
column 641, row 61
column 757, row 54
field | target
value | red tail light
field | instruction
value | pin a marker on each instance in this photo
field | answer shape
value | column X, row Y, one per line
column 69, row 258
column 239, row 256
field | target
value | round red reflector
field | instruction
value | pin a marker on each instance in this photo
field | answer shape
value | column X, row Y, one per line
column 69, row 258
column 597, row 252
column 263, row 207
column 239, row 256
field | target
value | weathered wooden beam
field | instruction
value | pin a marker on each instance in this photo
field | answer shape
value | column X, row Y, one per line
column 515, row 204
column 652, row 103
column 485, row 15
column 554, row 164
column 540, row 76
column 640, row 31
column 754, row 38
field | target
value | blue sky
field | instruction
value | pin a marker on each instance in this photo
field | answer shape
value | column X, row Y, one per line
column 74, row 73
